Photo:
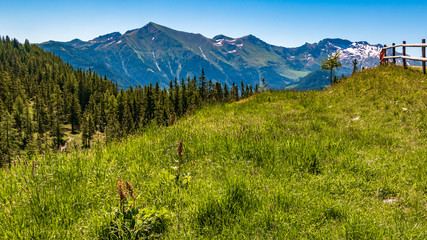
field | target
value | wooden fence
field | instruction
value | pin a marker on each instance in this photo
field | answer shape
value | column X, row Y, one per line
column 423, row 59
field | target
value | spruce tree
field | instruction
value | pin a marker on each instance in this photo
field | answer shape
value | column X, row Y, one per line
column 112, row 127
column 354, row 66
column 202, row 86
column 150, row 106
column 88, row 129
column 75, row 114
column 226, row 93
column 263, row 85
column 183, row 97
column 242, row 90
column 176, row 100
column 210, row 95
column 18, row 115
column 29, row 127
column 9, row 139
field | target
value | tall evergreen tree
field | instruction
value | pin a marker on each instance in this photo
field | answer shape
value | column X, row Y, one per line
column 9, row 139
column 354, row 66
column 202, row 86
column 183, row 97
column 242, row 90
column 88, row 129
column 176, row 100
column 75, row 113
column 226, row 93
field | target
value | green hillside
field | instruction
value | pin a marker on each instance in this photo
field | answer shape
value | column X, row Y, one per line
column 344, row 163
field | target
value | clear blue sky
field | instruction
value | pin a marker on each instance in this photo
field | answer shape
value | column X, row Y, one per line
column 282, row 23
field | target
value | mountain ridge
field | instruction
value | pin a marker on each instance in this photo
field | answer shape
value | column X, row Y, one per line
column 155, row 53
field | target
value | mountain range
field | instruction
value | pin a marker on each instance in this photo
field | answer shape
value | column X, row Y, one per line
column 157, row 53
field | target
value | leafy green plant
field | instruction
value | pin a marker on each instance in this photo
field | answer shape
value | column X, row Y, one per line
column 130, row 222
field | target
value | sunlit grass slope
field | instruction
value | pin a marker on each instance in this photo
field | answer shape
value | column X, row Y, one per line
column 343, row 163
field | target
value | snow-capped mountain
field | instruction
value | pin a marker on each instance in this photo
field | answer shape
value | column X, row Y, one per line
column 366, row 55
column 157, row 53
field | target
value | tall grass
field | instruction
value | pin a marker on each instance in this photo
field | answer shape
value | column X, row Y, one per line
column 346, row 162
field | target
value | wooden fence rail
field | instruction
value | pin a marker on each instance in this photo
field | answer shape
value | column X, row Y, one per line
column 422, row 59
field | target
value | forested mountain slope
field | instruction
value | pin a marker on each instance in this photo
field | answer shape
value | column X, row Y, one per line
column 45, row 102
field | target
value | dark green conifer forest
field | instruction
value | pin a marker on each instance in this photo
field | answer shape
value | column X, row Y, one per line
column 41, row 98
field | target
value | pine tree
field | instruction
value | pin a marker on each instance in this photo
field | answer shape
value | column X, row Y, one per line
column 41, row 115
column 75, row 114
column 234, row 92
column 331, row 63
column 247, row 91
column 210, row 95
column 88, row 129
column 9, row 139
column 184, row 100
column 29, row 127
column 192, row 93
column 18, row 115
column 354, row 66
column 226, row 93
column 202, row 86
column 150, row 106
column 27, row 45
column 176, row 100
column 263, row 85
column 242, row 90
column 127, row 123
column 219, row 95
column 112, row 127
column 57, row 116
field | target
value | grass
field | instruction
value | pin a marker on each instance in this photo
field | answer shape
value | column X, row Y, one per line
column 344, row 163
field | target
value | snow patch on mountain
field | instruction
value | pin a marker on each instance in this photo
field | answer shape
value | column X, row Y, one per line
column 108, row 44
column 219, row 42
column 155, row 61
column 203, row 53
column 367, row 55
column 360, row 51
column 235, row 42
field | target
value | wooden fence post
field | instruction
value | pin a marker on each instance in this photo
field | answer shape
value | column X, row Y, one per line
column 394, row 54
column 385, row 55
column 404, row 54
column 424, row 55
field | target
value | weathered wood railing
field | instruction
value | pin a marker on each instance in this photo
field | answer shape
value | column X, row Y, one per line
column 422, row 59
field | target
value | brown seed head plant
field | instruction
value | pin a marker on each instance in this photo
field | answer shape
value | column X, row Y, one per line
column 130, row 188
column 180, row 149
column 125, row 188
column 122, row 193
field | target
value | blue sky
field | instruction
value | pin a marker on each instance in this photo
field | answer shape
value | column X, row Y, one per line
column 282, row 23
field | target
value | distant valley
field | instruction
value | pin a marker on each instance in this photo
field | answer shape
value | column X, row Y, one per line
column 157, row 53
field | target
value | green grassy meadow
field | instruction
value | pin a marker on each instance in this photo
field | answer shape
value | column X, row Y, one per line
column 349, row 162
